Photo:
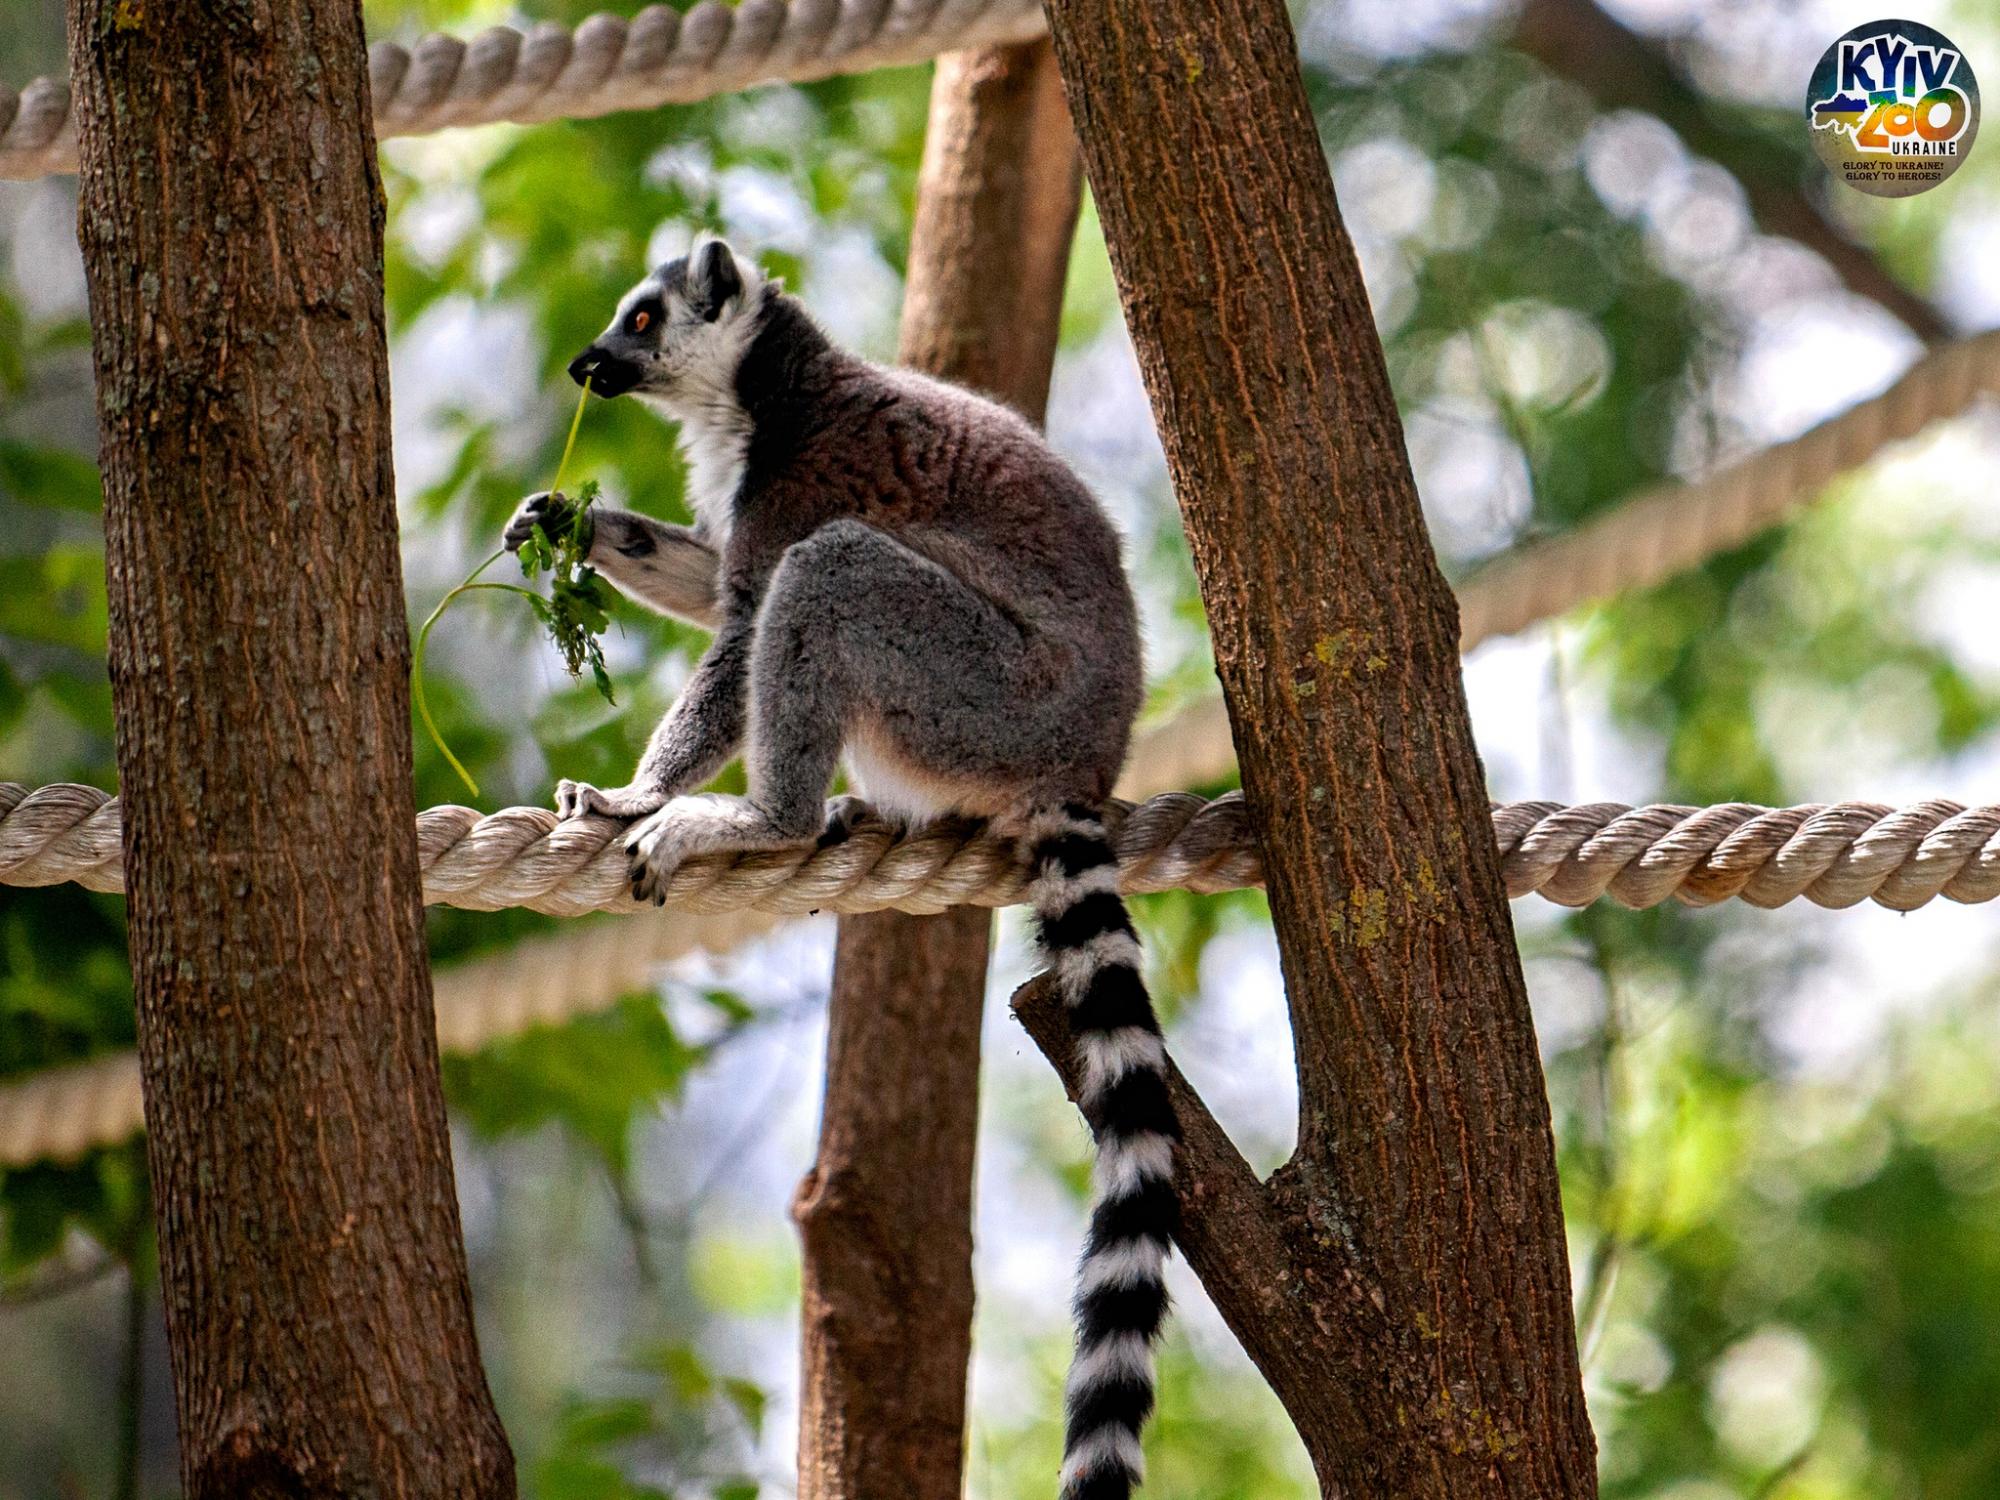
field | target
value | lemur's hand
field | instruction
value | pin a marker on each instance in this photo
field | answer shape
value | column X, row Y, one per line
column 576, row 799
column 554, row 513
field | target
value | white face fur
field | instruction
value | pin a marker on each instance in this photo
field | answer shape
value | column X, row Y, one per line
column 679, row 335
column 676, row 343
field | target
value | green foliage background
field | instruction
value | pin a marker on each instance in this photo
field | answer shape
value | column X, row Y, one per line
column 1787, row 1255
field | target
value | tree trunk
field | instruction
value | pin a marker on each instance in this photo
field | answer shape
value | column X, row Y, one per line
column 317, row 1311
column 1419, row 1331
column 886, row 1213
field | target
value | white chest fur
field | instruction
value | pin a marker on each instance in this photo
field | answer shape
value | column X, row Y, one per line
column 715, row 441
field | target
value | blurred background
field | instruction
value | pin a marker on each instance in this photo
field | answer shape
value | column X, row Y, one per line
column 1779, row 1132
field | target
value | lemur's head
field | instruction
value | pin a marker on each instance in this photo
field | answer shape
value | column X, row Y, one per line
column 679, row 334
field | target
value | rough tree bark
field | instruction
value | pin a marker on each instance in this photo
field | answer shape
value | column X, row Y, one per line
column 885, row 1215
column 318, row 1316
column 1417, row 1324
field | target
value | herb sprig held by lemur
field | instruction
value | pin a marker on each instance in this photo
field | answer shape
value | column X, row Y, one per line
column 577, row 609
column 902, row 576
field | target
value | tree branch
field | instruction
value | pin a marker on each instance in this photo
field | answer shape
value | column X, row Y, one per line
column 1231, row 1233
column 1424, row 1185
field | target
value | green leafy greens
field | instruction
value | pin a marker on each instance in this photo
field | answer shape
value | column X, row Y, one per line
column 576, row 611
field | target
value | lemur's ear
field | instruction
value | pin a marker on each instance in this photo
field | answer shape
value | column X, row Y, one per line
column 713, row 278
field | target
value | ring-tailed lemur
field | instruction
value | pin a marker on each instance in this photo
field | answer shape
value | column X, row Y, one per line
column 910, row 578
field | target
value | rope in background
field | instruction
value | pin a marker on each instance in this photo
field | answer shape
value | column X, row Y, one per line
column 1833, row 855
column 606, row 64
column 62, row 1113
column 1663, row 532
column 1643, row 541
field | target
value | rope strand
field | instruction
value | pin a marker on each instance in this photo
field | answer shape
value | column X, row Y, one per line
column 63, row 1112
column 1667, row 530
column 606, row 64
column 1834, row 855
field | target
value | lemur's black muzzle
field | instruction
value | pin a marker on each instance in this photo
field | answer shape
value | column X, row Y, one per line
column 603, row 372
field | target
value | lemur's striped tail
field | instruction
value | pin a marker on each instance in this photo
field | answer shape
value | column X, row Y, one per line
column 1121, row 1297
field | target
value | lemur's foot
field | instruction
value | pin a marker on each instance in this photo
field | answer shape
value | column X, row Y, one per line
column 844, row 814
column 577, row 799
column 552, row 512
column 688, row 826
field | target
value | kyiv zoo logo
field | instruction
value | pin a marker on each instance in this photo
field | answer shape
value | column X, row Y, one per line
column 1893, row 107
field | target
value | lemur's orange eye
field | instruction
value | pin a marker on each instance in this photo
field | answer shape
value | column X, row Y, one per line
column 640, row 320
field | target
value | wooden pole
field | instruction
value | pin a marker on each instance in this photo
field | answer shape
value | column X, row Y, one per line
column 1403, row 1280
column 886, row 1212
column 231, row 216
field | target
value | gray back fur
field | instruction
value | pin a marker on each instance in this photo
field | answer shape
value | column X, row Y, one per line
column 955, row 612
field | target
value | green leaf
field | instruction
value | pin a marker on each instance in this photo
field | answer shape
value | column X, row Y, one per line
column 50, row 478
column 749, row 1399
column 597, row 1423
column 595, row 1076
column 13, row 698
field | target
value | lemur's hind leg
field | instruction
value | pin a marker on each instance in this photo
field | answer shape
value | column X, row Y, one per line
column 856, row 630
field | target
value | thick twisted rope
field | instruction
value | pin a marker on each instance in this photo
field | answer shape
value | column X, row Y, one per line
column 1832, row 855
column 61, row 1113
column 525, row 856
column 606, row 64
